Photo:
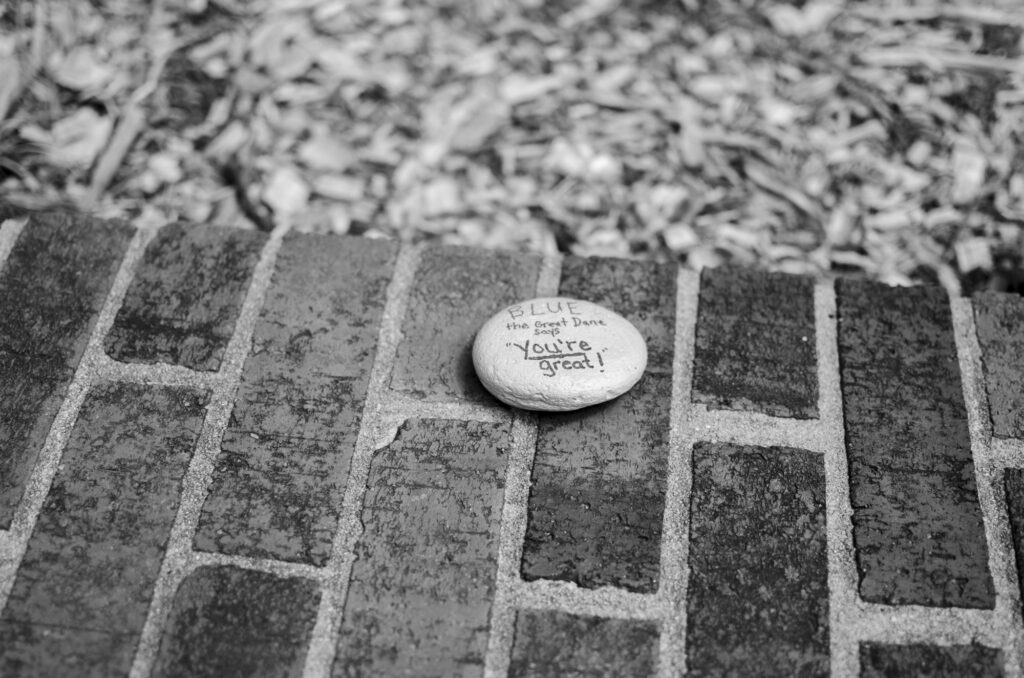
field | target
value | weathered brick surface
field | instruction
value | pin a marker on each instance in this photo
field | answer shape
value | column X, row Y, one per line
column 917, row 524
column 758, row 593
column 422, row 583
column 51, row 290
column 598, row 491
column 1014, row 487
column 755, row 345
column 424, row 569
column 182, row 305
column 227, row 621
column 280, row 477
column 93, row 559
column 454, row 292
column 998, row 319
column 642, row 291
column 957, row 661
column 550, row 644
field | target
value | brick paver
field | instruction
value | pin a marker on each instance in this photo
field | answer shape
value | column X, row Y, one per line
column 423, row 580
column 759, row 504
column 455, row 291
column 917, row 523
column 51, row 290
column 550, row 644
column 93, row 558
column 755, row 343
column 284, row 458
column 758, row 594
column 228, row 621
column 182, row 306
column 895, row 661
column 1014, row 486
column 599, row 478
column 999, row 318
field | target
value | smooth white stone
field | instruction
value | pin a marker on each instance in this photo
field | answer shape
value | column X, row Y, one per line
column 557, row 354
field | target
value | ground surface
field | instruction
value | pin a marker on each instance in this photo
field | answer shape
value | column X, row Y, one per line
column 228, row 453
column 819, row 137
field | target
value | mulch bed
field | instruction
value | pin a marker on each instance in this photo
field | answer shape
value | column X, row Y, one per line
column 823, row 137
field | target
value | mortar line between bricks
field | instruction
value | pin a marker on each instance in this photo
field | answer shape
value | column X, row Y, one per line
column 393, row 406
column 10, row 229
column 753, row 428
column 512, row 528
column 376, row 430
column 607, row 601
column 675, row 552
column 907, row 624
column 1006, row 452
column 159, row 374
column 45, row 468
column 177, row 561
column 280, row 568
column 844, row 657
column 989, row 475
column 549, row 276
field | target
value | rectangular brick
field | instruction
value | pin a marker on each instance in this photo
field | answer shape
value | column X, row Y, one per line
column 551, row 644
column 1014, row 487
column 454, row 292
column 597, row 496
column 422, row 583
column 643, row 292
column 755, row 343
column 758, row 593
column 52, row 287
column 998, row 319
column 954, row 661
column 598, row 488
column 226, row 621
column 187, row 292
column 93, row 558
column 279, row 481
column 917, row 524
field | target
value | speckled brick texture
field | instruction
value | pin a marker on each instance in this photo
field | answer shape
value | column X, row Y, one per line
column 758, row 595
column 917, row 523
column 999, row 319
column 641, row 291
column 51, row 289
column 419, row 600
column 228, row 621
column 755, row 343
column 225, row 453
column 182, row 305
column 958, row 661
column 284, row 457
column 1014, row 487
column 598, row 492
column 599, row 478
column 455, row 291
column 93, row 559
column 552, row 644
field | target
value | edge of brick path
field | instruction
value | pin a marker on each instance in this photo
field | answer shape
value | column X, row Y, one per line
column 851, row 620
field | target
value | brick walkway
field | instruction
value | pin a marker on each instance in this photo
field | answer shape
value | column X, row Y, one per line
column 223, row 453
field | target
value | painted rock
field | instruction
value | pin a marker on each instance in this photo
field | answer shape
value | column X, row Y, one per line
column 557, row 354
